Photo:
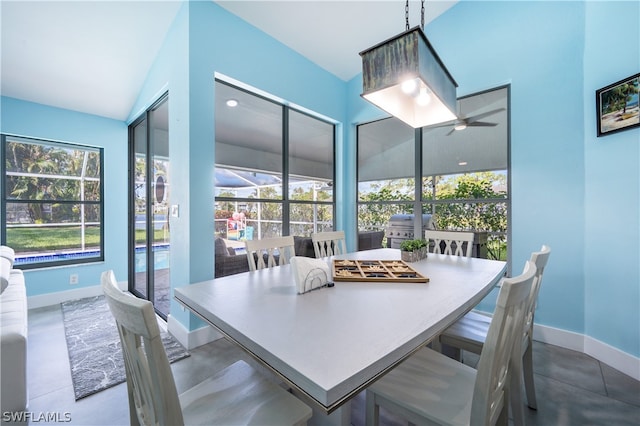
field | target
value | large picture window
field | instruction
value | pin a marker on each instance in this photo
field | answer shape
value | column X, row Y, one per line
column 455, row 173
column 52, row 202
column 274, row 168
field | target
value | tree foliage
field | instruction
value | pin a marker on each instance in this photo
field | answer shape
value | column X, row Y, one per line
column 616, row 98
column 51, row 172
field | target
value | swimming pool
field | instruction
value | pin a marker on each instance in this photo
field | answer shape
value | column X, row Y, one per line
column 161, row 257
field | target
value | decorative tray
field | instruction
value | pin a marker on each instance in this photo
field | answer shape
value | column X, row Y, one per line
column 376, row 270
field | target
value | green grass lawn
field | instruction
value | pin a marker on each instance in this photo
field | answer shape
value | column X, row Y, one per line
column 46, row 239
column 61, row 238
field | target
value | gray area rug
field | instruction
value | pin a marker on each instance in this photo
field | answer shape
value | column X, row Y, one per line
column 93, row 343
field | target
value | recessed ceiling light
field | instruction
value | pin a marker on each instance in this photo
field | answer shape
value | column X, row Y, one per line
column 462, row 163
column 232, row 103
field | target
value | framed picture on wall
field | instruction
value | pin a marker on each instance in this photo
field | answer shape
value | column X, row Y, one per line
column 617, row 106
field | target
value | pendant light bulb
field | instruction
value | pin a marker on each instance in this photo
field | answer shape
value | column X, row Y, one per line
column 409, row 86
column 424, row 97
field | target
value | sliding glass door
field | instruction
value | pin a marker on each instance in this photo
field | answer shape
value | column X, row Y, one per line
column 149, row 212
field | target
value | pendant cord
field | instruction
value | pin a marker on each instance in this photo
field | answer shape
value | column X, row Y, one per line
column 406, row 15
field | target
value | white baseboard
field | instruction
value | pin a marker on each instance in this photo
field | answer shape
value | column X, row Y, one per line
column 191, row 339
column 613, row 357
column 49, row 299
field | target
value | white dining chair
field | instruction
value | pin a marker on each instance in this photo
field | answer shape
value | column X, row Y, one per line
column 453, row 241
column 269, row 252
column 328, row 243
column 470, row 333
column 236, row 395
column 430, row 388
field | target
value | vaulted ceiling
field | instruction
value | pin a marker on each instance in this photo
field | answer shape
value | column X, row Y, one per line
column 93, row 56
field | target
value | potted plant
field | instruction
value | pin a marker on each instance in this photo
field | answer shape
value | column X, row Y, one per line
column 413, row 250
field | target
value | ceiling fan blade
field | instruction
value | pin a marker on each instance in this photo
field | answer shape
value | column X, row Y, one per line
column 477, row 117
column 446, row 124
column 451, row 131
column 481, row 124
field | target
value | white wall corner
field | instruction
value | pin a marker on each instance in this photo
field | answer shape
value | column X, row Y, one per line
column 613, row 357
column 191, row 339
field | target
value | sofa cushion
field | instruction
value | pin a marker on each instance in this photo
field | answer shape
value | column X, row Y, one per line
column 369, row 240
column 5, row 272
column 7, row 253
column 220, row 248
column 303, row 246
column 13, row 344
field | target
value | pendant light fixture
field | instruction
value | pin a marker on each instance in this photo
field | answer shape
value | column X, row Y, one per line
column 405, row 77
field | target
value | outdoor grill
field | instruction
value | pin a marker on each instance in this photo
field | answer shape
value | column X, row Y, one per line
column 400, row 228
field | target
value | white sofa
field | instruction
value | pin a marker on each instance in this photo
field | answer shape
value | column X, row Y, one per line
column 13, row 335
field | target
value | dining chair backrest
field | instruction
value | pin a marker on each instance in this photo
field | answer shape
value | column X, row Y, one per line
column 151, row 389
column 328, row 243
column 540, row 259
column 269, row 252
column 493, row 369
column 453, row 241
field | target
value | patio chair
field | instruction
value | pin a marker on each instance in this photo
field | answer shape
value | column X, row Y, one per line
column 329, row 243
column 269, row 252
column 453, row 241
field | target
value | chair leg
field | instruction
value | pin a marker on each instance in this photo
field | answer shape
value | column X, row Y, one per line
column 514, row 394
column 503, row 418
column 436, row 345
column 372, row 411
column 527, row 366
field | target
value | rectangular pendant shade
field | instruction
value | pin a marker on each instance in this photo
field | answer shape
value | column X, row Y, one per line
column 405, row 77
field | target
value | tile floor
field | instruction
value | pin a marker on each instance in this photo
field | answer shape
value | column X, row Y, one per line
column 572, row 388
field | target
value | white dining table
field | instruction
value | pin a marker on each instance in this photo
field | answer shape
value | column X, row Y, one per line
column 331, row 343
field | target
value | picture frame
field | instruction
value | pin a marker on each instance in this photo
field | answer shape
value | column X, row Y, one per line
column 617, row 106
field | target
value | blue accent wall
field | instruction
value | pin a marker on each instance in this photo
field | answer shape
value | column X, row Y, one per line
column 612, row 183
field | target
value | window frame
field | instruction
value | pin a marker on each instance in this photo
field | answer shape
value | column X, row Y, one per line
column 424, row 204
column 285, row 199
column 6, row 138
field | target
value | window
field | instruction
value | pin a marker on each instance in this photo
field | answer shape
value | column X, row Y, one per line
column 52, row 203
column 274, row 168
column 461, row 177
column 386, row 172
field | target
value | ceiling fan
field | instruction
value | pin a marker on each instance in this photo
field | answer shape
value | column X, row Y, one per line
column 462, row 122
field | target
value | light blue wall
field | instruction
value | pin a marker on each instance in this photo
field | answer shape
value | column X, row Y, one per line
column 39, row 121
column 612, row 182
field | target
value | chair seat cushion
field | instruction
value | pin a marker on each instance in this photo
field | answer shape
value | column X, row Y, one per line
column 240, row 395
column 429, row 383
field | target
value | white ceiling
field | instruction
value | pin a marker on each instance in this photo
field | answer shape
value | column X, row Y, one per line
column 93, row 56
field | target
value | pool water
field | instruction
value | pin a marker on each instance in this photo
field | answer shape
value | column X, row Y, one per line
column 160, row 257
